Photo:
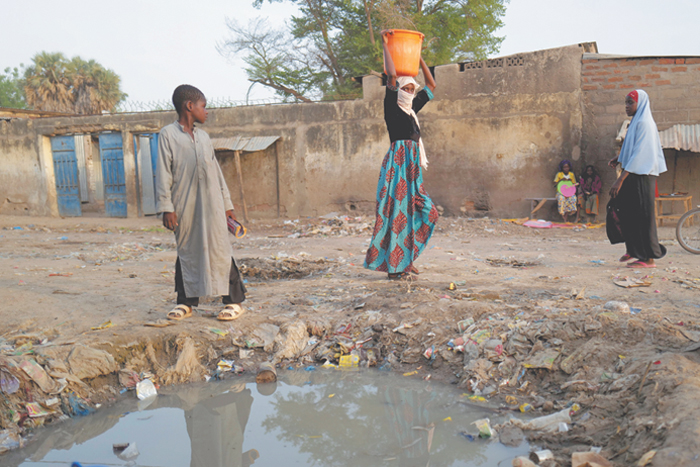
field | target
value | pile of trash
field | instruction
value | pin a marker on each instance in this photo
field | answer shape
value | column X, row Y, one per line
column 131, row 251
column 331, row 225
column 283, row 266
column 46, row 384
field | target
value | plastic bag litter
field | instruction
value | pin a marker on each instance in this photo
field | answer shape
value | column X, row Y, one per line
column 79, row 407
column 126, row 452
column 146, row 389
column 548, row 423
column 87, row 363
column 619, row 307
column 542, row 359
column 40, row 377
column 9, row 440
column 8, row 383
column 291, row 341
column 349, row 362
column 263, row 336
column 484, row 426
column 128, row 378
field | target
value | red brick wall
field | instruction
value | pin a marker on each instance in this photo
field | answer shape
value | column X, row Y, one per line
column 673, row 85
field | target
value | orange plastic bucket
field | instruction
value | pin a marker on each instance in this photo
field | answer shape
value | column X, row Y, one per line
column 405, row 47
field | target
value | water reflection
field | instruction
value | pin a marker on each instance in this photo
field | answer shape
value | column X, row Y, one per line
column 216, row 423
column 317, row 418
column 349, row 420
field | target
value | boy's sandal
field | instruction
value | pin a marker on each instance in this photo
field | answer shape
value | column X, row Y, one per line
column 640, row 265
column 180, row 312
column 230, row 312
column 625, row 258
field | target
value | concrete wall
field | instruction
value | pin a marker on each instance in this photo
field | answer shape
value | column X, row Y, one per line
column 494, row 135
column 673, row 85
column 497, row 129
column 22, row 187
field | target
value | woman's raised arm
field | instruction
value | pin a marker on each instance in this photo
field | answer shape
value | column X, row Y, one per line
column 388, row 60
column 429, row 80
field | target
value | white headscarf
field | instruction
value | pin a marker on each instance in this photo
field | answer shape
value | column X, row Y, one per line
column 641, row 151
column 405, row 101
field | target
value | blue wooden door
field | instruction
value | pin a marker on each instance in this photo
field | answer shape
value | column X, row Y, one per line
column 154, row 154
column 112, row 157
column 66, row 174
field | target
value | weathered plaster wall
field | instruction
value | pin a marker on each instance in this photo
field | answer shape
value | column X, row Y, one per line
column 673, row 85
column 494, row 134
column 21, row 176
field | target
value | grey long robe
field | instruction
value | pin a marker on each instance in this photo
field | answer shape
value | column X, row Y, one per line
column 189, row 183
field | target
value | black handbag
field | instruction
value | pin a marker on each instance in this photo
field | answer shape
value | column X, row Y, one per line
column 613, row 227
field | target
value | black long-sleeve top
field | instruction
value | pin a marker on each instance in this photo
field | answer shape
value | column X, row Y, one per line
column 400, row 124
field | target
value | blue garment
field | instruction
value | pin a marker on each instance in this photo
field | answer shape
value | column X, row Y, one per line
column 406, row 215
column 641, row 151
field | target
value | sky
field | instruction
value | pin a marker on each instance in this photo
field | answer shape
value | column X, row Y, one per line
column 155, row 45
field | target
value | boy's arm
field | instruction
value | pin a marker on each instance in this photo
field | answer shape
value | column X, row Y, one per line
column 164, row 182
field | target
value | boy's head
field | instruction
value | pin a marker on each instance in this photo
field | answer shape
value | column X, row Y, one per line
column 187, row 98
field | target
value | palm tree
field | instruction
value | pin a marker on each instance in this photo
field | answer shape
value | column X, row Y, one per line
column 94, row 88
column 45, row 83
column 77, row 86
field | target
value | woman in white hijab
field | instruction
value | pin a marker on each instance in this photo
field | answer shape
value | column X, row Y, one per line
column 642, row 160
column 406, row 215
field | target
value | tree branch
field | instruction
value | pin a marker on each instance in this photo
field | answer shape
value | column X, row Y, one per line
column 282, row 88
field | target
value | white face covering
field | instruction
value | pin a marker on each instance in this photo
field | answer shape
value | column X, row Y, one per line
column 405, row 101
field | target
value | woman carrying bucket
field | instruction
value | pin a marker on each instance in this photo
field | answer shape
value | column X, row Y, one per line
column 405, row 216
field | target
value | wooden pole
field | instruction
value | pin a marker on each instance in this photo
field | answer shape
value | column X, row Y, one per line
column 675, row 170
column 237, row 156
column 277, row 176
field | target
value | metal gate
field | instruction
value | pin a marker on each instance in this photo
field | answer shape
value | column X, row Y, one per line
column 145, row 163
column 112, row 157
column 66, row 174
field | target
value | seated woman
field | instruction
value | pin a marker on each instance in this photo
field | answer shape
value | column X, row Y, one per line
column 588, row 190
column 566, row 204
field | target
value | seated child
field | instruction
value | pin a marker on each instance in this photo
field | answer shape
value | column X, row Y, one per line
column 588, row 190
column 567, row 205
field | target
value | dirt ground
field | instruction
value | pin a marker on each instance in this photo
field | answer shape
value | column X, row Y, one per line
column 524, row 321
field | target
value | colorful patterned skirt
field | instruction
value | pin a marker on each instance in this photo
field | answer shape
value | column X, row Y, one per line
column 565, row 204
column 405, row 214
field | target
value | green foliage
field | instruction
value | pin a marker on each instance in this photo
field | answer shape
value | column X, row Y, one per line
column 54, row 83
column 11, row 94
column 334, row 40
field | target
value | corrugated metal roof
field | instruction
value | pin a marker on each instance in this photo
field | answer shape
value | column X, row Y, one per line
column 244, row 143
column 681, row 137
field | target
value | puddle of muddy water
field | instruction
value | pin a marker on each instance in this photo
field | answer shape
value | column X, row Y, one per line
column 321, row 418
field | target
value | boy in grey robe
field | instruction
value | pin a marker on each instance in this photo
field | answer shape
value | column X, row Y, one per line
column 192, row 195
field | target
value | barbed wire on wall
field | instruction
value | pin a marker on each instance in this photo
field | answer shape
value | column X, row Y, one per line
column 212, row 103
